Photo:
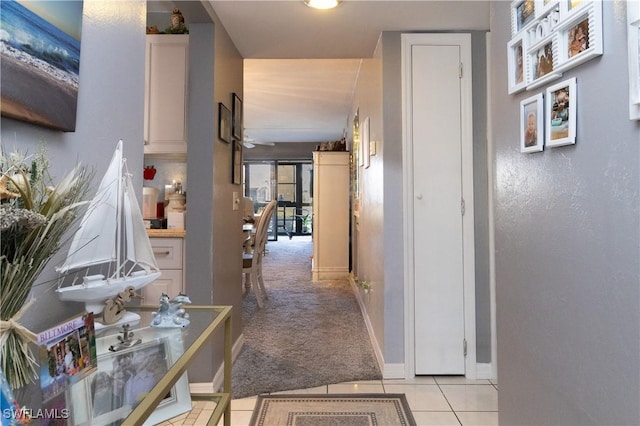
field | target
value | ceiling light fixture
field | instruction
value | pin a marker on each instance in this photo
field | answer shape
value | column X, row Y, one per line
column 322, row 4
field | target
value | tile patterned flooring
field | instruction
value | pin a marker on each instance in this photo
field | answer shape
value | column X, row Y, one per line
column 438, row 400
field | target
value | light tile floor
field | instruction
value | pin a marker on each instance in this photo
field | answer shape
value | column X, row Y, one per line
column 439, row 400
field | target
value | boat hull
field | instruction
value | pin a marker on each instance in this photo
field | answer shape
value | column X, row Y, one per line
column 95, row 292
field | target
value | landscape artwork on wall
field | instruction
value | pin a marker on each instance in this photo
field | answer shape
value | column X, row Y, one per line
column 40, row 59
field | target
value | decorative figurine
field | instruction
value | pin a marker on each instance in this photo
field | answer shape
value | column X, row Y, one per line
column 177, row 23
column 114, row 308
column 170, row 313
column 126, row 340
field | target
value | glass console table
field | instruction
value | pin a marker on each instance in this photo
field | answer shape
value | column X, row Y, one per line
column 172, row 350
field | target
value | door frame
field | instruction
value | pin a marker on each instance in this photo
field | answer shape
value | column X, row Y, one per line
column 464, row 41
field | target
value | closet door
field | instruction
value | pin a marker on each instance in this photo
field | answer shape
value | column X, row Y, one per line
column 438, row 237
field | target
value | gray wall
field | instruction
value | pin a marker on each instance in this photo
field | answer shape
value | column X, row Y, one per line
column 567, row 241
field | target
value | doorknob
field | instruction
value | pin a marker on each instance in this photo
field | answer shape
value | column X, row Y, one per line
column 419, row 196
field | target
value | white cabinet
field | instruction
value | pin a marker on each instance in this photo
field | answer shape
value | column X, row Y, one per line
column 330, row 215
column 166, row 89
column 169, row 254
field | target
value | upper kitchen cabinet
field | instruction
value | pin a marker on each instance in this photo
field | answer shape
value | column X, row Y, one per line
column 166, row 88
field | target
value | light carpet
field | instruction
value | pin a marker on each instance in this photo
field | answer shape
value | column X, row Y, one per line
column 334, row 410
column 308, row 334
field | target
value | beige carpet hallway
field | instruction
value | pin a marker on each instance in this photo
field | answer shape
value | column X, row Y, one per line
column 307, row 334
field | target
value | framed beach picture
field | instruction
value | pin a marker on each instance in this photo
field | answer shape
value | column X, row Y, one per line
column 532, row 124
column 561, row 113
column 224, row 123
column 126, row 376
column 40, row 62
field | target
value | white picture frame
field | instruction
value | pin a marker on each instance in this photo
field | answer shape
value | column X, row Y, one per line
column 523, row 13
column 167, row 349
column 532, row 124
column 366, row 148
column 516, row 64
column 560, row 113
column 580, row 35
column 633, row 42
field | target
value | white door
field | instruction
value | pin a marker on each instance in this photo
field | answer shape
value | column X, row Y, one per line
column 438, row 234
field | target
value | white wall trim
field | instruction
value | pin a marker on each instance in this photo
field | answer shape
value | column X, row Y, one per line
column 491, row 218
column 365, row 315
column 394, row 371
column 463, row 40
column 484, row 371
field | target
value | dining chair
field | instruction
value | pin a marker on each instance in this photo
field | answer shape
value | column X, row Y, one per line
column 252, row 262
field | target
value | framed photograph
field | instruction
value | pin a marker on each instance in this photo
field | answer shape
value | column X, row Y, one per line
column 561, row 114
column 516, row 60
column 124, row 377
column 236, row 169
column 236, row 109
column 633, row 41
column 532, row 124
column 224, row 123
column 580, row 36
column 41, row 85
column 366, row 140
column 541, row 65
column 523, row 13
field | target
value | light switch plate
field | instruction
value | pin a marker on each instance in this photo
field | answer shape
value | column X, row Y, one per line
column 236, row 200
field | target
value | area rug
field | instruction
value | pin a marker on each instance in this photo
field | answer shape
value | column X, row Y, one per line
column 307, row 334
column 334, row 410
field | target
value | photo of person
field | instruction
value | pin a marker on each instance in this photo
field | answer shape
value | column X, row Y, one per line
column 560, row 114
column 519, row 77
column 579, row 38
column 525, row 12
column 531, row 133
column 544, row 61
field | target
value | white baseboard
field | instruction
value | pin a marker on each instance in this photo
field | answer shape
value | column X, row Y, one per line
column 218, row 379
column 393, row 371
column 484, row 371
column 374, row 342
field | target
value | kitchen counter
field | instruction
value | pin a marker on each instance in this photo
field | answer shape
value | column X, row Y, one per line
column 166, row 233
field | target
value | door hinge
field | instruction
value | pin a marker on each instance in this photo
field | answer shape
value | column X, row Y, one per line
column 462, row 207
column 464, row 346
column 460, row 71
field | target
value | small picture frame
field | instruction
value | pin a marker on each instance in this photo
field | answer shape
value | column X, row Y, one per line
column 532, row 124
column 236, row 163
column 366, row 140
column 561, row 100
column 125, row 376
column 633, row 42
column 236, row 109
column 580, row 36
column 224, row 123
column 523, row 13
column 516, row 65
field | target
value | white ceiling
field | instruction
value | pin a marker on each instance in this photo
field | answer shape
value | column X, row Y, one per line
column 301, row 64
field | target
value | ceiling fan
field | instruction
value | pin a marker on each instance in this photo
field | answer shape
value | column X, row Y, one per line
column 251, row 143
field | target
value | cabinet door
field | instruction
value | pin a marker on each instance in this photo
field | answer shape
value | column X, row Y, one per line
column 166, row 89
column 170, row 283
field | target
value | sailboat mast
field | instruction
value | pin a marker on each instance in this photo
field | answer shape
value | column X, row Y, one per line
column 120, row 199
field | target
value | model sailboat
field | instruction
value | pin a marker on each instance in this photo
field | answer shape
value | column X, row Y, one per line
column 111, row 250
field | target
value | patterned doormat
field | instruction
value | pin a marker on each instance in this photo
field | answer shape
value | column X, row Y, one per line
column 334, row 410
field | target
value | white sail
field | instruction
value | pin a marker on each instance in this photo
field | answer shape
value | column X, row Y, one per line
column 95, row 242
column 112, row 224
column 138, row 245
